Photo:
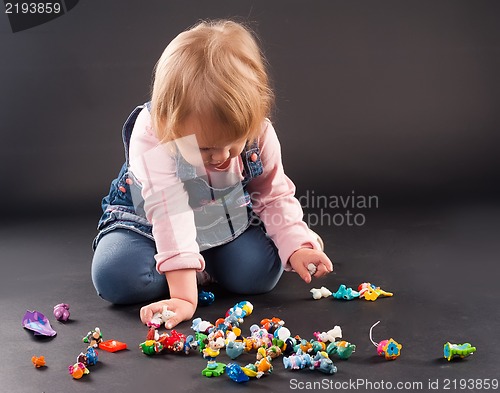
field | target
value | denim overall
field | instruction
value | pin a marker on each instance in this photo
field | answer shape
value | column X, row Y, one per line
column 220, row 215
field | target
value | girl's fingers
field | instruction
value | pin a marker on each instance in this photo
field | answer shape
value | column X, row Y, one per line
column 325, row 261
column 321, row 270
column 303, row 273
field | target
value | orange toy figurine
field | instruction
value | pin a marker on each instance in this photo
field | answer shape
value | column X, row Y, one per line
column 38, row 361
column 264, row 366
column 78, row 370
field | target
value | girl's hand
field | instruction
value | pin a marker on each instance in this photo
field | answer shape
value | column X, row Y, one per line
column 183, row 310
column 301, row 258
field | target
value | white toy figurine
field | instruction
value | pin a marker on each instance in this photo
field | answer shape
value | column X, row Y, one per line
column 319, row 293
column 163, row 317
column 330, row 335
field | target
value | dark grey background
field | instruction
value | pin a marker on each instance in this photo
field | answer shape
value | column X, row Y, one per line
column 397, row 99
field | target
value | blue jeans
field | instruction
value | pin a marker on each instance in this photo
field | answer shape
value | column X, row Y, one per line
column 124, row 268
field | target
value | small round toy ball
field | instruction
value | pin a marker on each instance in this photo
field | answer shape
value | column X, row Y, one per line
column 61, row 312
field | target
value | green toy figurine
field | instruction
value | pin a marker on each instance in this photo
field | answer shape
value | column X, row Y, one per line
column 458, row 350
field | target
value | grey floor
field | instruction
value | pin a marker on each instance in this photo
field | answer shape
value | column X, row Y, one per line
column 441, row 263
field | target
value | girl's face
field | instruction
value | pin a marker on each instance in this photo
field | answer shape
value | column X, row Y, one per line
column 200, row 147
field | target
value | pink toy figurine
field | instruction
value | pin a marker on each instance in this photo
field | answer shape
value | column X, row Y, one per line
column 388, row 348
column 61, row 312
column 78, row 370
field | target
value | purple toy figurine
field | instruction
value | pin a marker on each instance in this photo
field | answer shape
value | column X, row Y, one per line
column 61, row 312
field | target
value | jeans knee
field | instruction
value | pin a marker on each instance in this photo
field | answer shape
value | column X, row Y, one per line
column 105, row 280
column 252, row 286
column 247, row 278
column 123, row 269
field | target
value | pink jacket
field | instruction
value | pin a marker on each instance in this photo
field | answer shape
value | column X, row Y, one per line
column 166, row 202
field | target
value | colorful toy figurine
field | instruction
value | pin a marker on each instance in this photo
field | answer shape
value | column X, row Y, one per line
column 234, row 349
column 255, row 370
column 151, row 347
column 342, row 349
column 173, row 342
column 282, row 333
column 159, row 318
column 92, row 356
column 272, row 324
column 93, row 338
column 264, row 366
column 240, row 310
column 320, row 293
column 61, row 312
column 211, row 351
column 316, row 346
column 234, row 335
column 216, row 371
column 329, row 336
column 261, row 337
column 344, row 293
column 38, row 361
column 236, row 373
column 323, row 363
column 298, row 360
column 78, row 370
column 372, row 292
column 272, row 352
column 201, row 326
column 289, row 347
column 112, row 345
column 201, row 341
column 458, row 350
column 388, row 348
column 89, row 358
column 205, row 298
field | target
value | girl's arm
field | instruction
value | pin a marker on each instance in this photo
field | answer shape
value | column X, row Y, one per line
column 274, row 202
column 183, row 298
column 167, row 209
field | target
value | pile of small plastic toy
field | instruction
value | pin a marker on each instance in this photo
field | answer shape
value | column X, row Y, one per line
column 269, row 340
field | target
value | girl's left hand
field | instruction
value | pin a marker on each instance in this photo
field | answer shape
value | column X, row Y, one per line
column 303, row 257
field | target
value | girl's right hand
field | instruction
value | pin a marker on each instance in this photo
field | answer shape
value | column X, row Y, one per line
column 183, row 310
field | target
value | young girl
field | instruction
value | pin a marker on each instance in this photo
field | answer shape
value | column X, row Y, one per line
column 202, row 192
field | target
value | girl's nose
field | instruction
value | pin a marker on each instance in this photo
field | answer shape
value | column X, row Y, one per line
column 220, row 156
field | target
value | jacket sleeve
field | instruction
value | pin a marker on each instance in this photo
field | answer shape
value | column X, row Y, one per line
column 274, row 202
column 165, row 200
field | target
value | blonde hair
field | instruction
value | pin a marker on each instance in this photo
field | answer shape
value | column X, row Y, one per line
column 214, row 70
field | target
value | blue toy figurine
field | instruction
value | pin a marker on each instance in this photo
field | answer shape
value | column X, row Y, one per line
column 344, row 293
